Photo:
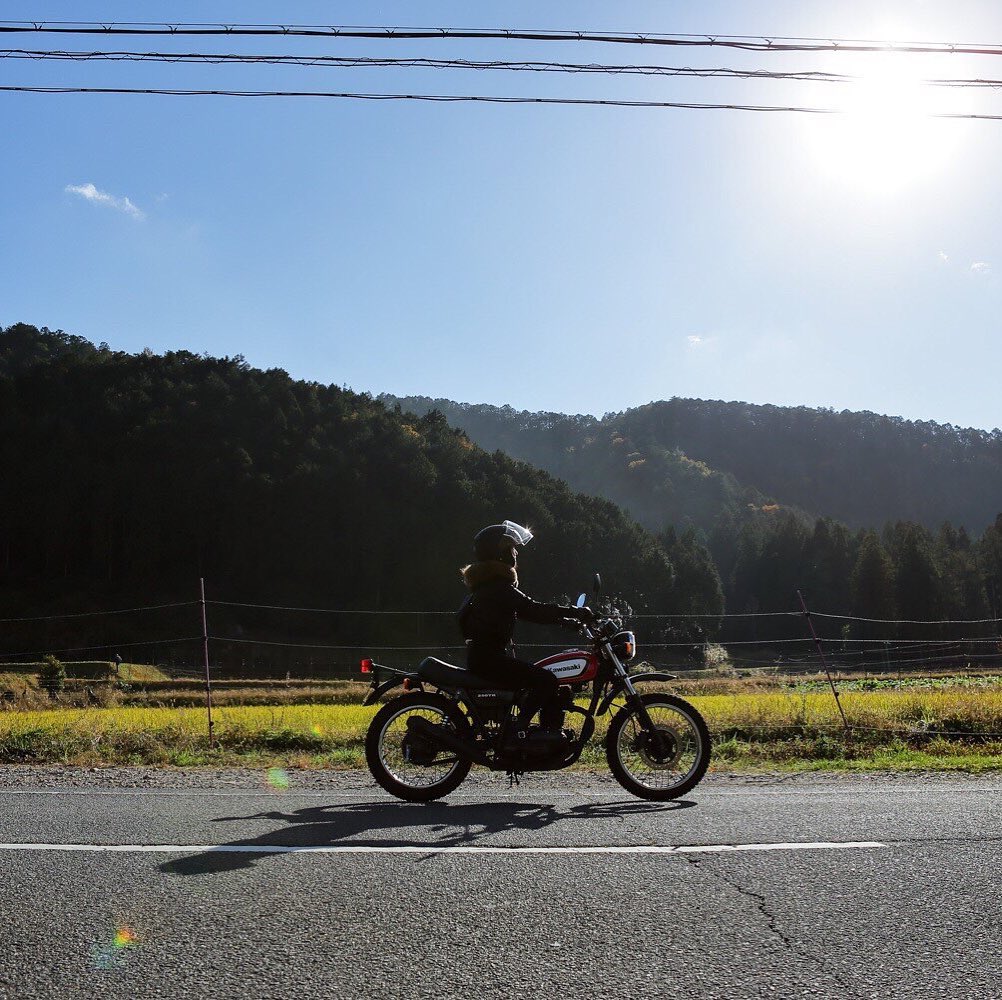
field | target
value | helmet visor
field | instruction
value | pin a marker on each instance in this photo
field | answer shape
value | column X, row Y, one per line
column 518, row 534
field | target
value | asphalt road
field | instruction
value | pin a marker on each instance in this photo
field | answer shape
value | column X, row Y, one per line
column 919, row 916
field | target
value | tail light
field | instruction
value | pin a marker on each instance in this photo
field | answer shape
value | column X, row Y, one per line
column 366, row 666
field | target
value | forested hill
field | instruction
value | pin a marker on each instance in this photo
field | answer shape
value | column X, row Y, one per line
column 126, row 477
column 691, row 460
column 130, row 476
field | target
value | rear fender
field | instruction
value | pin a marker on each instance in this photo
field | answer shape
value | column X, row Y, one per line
column 377, row 690
column 653, row 675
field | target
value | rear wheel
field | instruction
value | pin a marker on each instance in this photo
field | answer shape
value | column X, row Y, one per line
column 660, row 763
column 405, row 762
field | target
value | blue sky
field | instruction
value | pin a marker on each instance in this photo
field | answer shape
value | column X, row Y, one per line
column 561, row 258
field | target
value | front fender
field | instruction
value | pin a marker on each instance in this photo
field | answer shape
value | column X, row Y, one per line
column 652, row 675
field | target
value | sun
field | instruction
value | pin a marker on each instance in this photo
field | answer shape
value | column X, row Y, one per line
column 885, row 136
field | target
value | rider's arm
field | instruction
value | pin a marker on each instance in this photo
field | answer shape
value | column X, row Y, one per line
column 542, row 614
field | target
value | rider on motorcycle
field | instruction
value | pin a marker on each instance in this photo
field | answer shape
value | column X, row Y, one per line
column 487, row 619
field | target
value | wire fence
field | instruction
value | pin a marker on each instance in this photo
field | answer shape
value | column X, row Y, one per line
column 285, row 658
column 262, row 639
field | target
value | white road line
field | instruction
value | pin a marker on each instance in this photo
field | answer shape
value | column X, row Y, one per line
column 426, row 849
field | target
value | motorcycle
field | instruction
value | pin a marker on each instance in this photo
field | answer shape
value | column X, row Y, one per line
column 421, row 744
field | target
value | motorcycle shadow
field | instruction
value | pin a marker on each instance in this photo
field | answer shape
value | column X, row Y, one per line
column 385, row 824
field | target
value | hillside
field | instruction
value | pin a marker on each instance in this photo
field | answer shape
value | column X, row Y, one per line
column 129, row 476
column 134, row 475
column 690, row 460
column 881, row 493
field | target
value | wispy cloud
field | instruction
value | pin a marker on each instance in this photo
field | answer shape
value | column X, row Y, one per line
column 91, row 193
column 697, row 342
column 981, row 267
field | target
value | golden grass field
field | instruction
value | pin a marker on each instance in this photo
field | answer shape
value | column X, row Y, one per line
column 949, row 727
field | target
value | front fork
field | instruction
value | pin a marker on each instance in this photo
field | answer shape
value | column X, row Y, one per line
column 633, row 698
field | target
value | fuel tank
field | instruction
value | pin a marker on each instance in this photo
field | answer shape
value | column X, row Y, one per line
column 571, row 666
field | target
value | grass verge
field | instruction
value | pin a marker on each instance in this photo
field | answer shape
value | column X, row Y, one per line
column 949, row 729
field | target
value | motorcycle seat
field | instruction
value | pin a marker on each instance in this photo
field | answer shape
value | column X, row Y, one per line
column 446, row 675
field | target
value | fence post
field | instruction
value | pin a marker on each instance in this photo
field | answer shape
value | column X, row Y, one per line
column 821, row 653
column 205, row 653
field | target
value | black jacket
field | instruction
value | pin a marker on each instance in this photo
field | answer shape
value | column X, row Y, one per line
column 488, row 615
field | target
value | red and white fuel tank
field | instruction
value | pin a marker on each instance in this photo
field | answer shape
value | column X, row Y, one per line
column 572, row 666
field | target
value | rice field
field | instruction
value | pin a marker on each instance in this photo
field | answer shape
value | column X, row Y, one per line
column 957, row 726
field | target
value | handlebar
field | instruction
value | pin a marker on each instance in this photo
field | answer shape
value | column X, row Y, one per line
column 595, row 629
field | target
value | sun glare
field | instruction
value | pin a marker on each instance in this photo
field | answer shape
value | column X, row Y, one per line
column 887, row 136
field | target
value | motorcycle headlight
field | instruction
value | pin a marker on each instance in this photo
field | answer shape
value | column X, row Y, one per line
column 624, row 645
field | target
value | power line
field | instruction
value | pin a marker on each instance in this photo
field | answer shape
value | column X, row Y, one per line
column 520, row 66
column 471, row 98
column 354, row 62
column 753, row 43
column 431, row 98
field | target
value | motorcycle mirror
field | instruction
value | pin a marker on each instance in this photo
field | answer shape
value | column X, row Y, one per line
column 597, row 584
column 580, row 602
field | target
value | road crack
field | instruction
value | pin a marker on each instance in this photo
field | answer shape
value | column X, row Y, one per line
column 772, row 923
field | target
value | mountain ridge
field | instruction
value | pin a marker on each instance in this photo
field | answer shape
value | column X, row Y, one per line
column 707, row 457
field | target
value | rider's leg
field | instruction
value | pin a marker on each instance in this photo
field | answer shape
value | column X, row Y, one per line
column 518, row 675
column 542, row 697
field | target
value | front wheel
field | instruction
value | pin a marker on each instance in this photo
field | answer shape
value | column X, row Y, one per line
column 660, row 763
column 407, row 764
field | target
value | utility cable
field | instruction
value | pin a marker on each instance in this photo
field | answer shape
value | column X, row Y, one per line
column 751, row 43
column 467, row 98
column 355, row 62
column 431, row 98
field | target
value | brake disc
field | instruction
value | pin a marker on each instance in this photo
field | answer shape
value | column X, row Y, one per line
column 660, row 749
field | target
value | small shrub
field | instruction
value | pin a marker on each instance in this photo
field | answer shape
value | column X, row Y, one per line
column 52, row 675
column 716, row 656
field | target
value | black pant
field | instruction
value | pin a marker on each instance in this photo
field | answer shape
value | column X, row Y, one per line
column 509, row 674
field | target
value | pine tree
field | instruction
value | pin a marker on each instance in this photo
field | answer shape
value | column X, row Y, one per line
column 872, row 589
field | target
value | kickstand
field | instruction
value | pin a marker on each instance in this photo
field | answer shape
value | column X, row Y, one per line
column 513, row 777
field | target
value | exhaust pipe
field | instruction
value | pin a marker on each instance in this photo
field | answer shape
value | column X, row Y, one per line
column 442, row 737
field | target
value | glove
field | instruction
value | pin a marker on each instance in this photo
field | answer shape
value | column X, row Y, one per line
column 584, row 614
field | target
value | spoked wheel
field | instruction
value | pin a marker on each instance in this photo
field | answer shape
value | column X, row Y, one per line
column 662, row 763
column 405, row 762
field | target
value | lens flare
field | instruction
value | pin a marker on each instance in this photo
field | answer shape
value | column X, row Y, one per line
column 278, row 778
column 113, row 955
column 124, row 937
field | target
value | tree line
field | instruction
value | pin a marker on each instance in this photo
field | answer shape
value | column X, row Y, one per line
column 132, row 475
column 136, row 474
column 683, row 461
column 884, row 558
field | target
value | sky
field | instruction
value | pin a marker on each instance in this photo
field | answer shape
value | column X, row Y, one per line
column 570, row 258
